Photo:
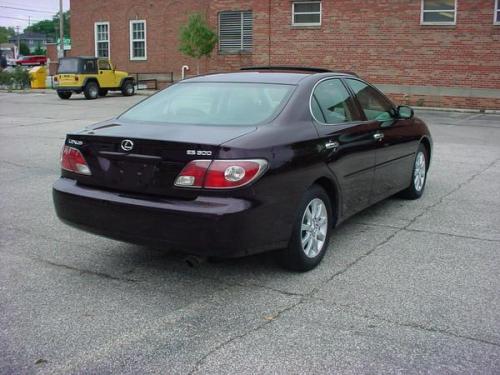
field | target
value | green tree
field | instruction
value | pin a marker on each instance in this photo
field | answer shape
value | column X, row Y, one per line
column 6, row 33
column 39, row 51
column 24, row 49
column 51, row 27
column 197, row 39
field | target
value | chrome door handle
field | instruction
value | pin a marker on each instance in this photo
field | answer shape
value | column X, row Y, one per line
column 331, row 144
column 378, row 136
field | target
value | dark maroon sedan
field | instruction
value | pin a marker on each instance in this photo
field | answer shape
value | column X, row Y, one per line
column 235, row 164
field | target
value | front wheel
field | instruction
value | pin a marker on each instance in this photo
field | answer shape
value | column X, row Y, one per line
column 311, row 232
column 64, row 94
column 419, row 175
column 128, row 88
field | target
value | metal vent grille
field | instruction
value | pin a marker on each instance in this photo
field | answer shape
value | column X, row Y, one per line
column 235, row 31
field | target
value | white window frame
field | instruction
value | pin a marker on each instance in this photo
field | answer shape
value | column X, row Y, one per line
column 422, row 22
column 145, row 40
column 298, row 13
column 108, row 40
column 496, row 19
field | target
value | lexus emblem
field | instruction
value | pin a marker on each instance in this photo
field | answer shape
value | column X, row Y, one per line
column 127, row 145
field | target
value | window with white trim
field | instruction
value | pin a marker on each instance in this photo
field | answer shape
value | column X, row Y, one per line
column 235, row 32
column 439, row 12
column 138, row 40
column 101, row 37
column 306, row 13
column 496, row 18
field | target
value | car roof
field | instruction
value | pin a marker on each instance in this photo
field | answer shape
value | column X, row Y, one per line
column 84, row 57
column 265, row 76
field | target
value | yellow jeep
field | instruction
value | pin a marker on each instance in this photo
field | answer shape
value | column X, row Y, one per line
column 91, row 75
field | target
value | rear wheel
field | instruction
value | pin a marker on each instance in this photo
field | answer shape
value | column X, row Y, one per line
column 64, row 94
column 311, row 232
column 91, row 90
column 128, row 88
column 419, row 175
column 103, row 92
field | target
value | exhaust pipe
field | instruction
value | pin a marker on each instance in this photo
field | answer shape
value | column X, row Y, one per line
column 194, row 261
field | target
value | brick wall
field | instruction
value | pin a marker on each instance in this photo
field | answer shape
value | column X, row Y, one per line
column 163, row 19
column 381, row 40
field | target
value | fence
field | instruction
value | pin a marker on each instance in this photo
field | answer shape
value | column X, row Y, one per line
column 153, row 81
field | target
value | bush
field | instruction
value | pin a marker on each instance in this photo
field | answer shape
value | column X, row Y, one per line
column 17, row 78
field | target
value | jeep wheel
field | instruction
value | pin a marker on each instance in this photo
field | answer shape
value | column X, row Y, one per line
column 64, row 94
column 91, row 90
column 103, row 92
column 128, row 88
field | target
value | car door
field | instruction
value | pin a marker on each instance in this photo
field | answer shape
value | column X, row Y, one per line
column 396, row 146
column 348, row 142
column 106, row 74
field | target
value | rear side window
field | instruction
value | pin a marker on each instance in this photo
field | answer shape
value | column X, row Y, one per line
column 375, row 106
column 89, row 66
column 331, row 103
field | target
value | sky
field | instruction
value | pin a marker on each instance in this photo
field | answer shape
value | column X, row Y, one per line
column 35, row 10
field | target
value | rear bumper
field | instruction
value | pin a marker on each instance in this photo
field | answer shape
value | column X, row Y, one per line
column 75, row 89
column 212, row 226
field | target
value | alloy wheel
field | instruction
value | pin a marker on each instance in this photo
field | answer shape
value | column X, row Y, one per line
column 419, row 171
column 314, row 228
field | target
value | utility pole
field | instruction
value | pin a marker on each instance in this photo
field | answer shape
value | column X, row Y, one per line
column 18, row 39
column 61, row 29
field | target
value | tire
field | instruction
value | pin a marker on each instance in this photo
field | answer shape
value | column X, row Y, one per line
column 302, row 255
column 91, row 90
column 64, row 94
column 103, row 92
column 128, row 88
column 418, row 175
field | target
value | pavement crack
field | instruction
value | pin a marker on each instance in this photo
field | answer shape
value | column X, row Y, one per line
column 405, row 227
column 429, row 232
column 87, row 272
column 197, row 366
column 50, row 238
column 418, row 326
column 252, row 285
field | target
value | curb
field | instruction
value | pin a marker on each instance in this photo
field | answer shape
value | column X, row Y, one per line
column 463, row 110
column 52, row 91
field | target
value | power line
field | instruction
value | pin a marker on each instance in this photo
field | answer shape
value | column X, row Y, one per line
column 18, row 4
column 21, row 19
column 26, row 9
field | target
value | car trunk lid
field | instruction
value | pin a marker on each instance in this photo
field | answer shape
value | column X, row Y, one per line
column 146, row 159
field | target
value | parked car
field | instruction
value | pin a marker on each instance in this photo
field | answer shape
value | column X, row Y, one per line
column 31, row 60
column 92, row 76
column 240, row 163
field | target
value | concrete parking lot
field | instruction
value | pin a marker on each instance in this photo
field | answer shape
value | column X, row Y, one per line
column 406, row 287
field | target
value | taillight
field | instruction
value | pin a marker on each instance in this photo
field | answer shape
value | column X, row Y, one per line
column 72, row 160
column 220, row 174
column 76, row 78
column 193, row 174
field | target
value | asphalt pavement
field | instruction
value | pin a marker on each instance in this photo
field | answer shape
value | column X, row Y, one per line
column 406, row 286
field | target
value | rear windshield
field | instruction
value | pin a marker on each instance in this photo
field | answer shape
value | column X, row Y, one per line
column 213, row 103
column 68, row 66
column 76, row 66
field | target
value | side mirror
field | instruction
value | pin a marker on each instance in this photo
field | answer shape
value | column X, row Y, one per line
column 405, row 112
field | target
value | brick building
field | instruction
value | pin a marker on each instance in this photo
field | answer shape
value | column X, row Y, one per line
column 425, row 52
